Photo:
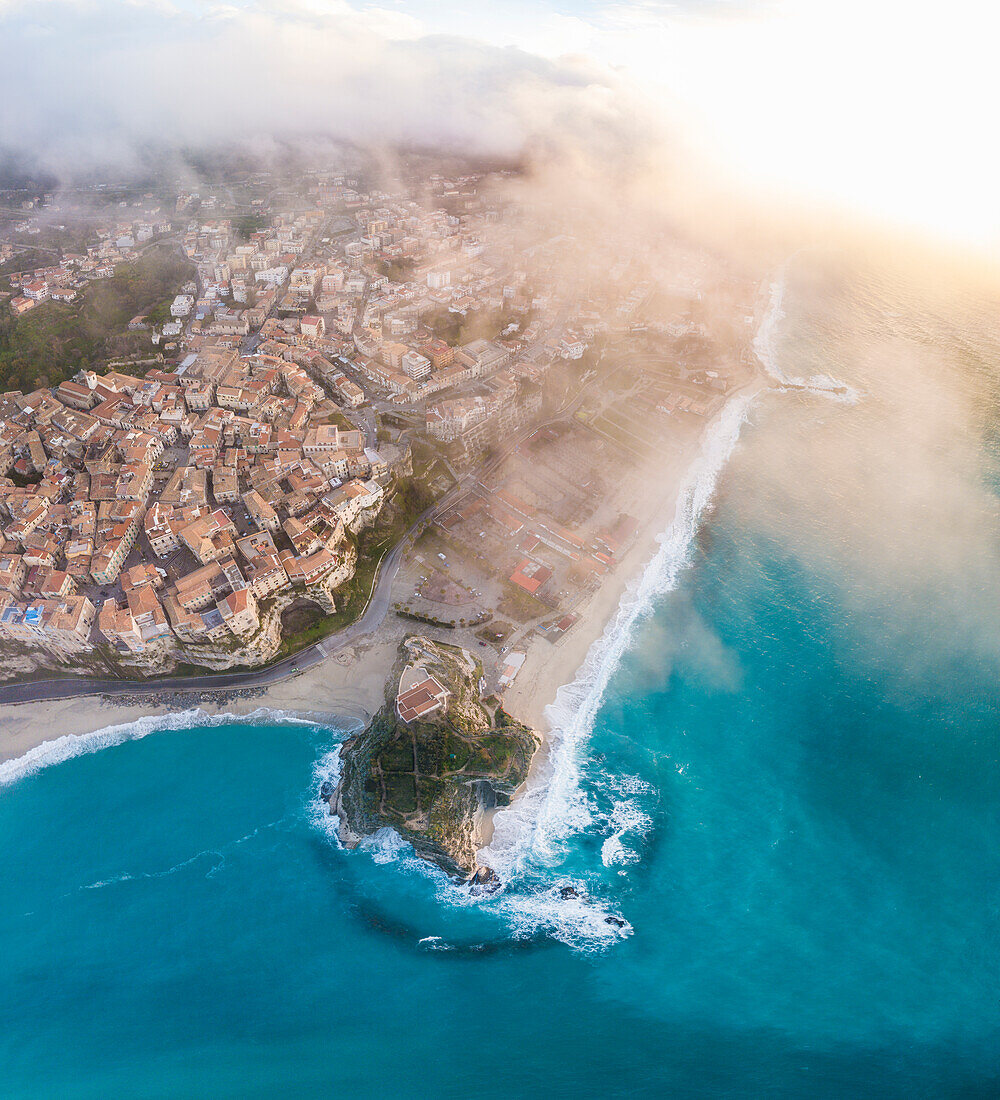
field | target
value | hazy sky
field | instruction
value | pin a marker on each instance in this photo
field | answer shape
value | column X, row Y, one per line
column 883, row 106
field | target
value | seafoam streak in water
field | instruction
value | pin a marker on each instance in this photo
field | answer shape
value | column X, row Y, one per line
column 69, row 745
column 533, row 830
column 766, row 349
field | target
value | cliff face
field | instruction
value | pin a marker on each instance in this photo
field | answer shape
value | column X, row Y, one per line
column 432, row 779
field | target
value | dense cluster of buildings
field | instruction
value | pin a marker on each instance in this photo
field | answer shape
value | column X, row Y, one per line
column 327, row 305
column 172, row 507
column 229, row 472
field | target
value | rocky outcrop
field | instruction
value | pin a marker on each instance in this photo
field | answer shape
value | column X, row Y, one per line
column 434, row 778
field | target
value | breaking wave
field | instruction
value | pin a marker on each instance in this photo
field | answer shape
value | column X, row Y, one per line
column 534, row 829
column 64, row 748
column 325, row 773
column 765, row 346
column 531, row 836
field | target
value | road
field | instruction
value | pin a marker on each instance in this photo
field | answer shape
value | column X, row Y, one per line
column 370, row 619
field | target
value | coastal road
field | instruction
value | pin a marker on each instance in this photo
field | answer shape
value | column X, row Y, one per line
column 370, row 619
column 375, row 611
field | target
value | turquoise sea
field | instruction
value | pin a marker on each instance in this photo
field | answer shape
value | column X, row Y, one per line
column 778, row 778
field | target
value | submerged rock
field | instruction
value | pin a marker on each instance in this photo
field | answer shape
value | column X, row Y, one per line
column 432, row 778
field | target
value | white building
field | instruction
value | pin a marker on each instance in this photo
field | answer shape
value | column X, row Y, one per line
column 416, row 366
column 273, row 276
column 182, row 305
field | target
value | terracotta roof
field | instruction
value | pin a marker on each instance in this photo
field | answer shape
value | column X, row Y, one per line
column 421, row 699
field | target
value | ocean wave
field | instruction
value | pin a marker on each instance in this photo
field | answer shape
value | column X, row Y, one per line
column 613, row 852
column 626, row 817
column 766, row 348
column 562, row 910
column 533, row 830
column 64, row 748
column 387, row 846
column 215, row 856
column 325, row 772
column 577, row 920
column 434, row 943
column 630, row 784
column 531, row 836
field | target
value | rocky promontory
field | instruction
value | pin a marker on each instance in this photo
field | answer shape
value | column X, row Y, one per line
column 433, row 760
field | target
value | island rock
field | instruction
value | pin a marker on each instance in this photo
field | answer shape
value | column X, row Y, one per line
column 434, row 760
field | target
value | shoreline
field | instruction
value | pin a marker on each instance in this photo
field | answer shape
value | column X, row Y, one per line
column 537, row 688
column 351, row 684
column 346, row 689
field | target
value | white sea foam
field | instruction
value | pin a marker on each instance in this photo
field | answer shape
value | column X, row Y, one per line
column 66, row 747
column 326, row 770
column 434, row 943
column 386, row 846
column 613, row 852
column 580, row 921
column 531, row 835
column 533, row 830
column 630, row 784
column 625, row 817
column 215, row 856
column 765, row 346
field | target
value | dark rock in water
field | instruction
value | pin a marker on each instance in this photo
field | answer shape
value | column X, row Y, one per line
column 617, row 922
column 484, row 882
column 566, row 892
column 326, row 790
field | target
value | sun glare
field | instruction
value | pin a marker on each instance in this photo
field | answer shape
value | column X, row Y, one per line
column 886, row 108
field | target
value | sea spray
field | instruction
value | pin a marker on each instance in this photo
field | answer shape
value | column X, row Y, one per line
column 534, row 828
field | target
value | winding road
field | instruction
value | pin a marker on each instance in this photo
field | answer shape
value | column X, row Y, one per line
column 369, row 621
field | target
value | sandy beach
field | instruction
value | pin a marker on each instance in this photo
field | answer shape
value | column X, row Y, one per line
column 347, row 689
column 548, row 666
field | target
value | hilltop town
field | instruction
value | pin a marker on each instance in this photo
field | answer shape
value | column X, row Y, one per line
column 343, row 366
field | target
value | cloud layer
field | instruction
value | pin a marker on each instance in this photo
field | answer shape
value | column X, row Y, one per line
column 93, row 81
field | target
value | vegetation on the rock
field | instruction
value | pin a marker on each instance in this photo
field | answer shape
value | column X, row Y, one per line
column 430, row 779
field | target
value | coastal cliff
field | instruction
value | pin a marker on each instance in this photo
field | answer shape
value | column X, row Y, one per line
column 434, row 760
